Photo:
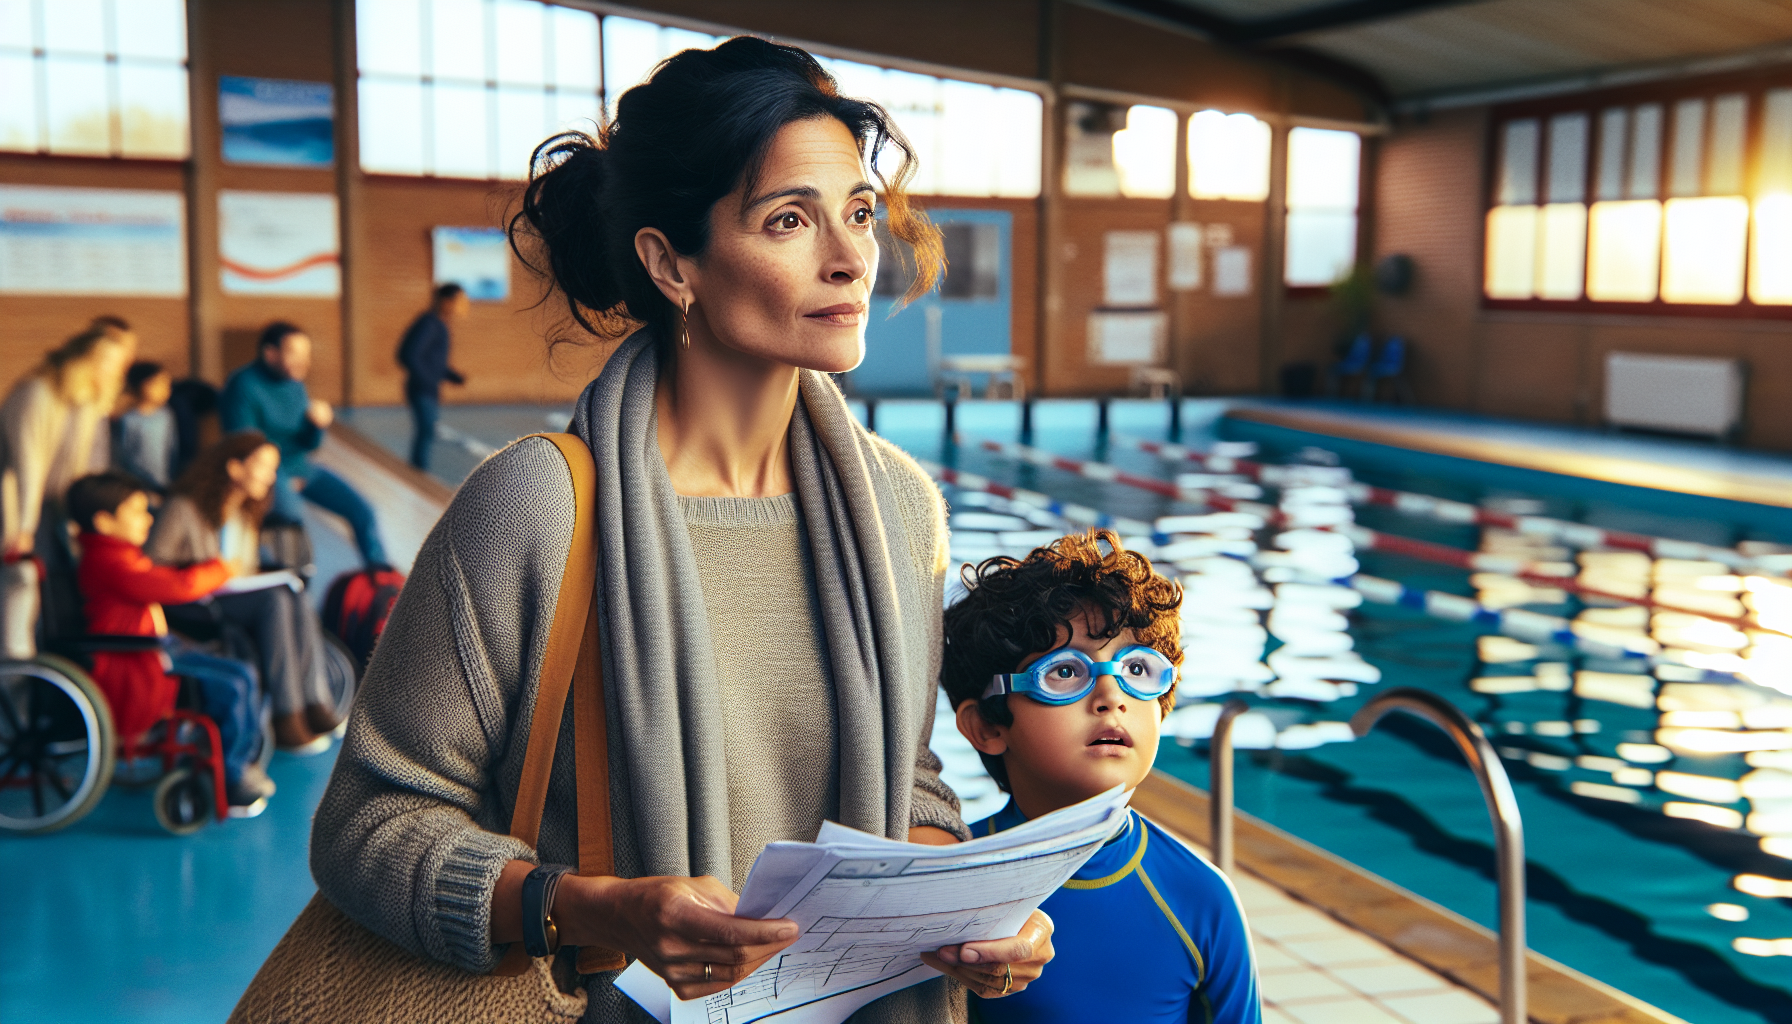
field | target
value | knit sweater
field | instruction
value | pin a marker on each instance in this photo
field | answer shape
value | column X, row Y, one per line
column 759, row 590
column 410, row 836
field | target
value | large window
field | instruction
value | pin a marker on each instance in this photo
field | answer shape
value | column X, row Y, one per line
column 1119, row 151
column 1649, row 203
column 1228, row 157
column 94, row 77
column 1324, row 166
column 468, row 88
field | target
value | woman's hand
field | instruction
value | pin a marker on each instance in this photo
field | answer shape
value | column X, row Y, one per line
column 985, row 967
column 320, row 414
column 676, row 926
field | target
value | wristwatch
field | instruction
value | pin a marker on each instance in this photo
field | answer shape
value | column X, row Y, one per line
column 541, row 937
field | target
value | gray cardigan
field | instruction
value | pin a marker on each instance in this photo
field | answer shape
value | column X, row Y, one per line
column 410, row 836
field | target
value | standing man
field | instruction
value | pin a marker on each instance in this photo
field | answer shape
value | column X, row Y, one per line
column 269, row 395
column 424, row 355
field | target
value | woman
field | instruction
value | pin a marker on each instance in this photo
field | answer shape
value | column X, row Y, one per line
column 770, row 573
column 213, row 511
column 50, row 437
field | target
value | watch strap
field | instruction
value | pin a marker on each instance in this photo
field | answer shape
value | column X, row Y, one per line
column 540, row 936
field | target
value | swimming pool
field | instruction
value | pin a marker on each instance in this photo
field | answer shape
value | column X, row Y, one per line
column 1618, row 889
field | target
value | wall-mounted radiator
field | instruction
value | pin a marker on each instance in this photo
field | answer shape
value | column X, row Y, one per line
column 1683, row 394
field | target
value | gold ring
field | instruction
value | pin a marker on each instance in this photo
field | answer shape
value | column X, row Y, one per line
column 1008, row 980
column 708, row 970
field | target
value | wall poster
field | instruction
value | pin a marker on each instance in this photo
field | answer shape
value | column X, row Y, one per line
column 477, row 259
column 1129, row 268
column 1127, row 337
column 278, row 243
column 275, row 122
column 92, row 241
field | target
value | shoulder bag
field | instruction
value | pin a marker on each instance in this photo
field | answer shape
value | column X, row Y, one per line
column 329, row 969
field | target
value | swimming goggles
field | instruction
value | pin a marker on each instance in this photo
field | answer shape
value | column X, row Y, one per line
column 1067, row 675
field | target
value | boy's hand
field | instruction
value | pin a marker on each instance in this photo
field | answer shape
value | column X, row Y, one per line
column 984, row 967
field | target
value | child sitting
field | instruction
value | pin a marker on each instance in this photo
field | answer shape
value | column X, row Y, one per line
column 1061, row 667
column 143, row 436
column 123, row 592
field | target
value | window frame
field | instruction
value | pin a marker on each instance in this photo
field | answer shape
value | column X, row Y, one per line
column 113, row 59
column 1755, row 84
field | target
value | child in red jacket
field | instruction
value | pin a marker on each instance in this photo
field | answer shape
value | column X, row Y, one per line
column 123, row 593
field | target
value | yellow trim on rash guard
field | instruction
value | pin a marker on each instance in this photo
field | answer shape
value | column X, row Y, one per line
column 1200, row 965
column 1127, row 869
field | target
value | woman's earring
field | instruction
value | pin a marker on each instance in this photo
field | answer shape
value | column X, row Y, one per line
column 685, row 324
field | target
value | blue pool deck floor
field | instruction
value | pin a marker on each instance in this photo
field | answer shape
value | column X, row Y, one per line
column 111, row 920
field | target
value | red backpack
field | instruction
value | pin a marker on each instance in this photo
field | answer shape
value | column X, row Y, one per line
column 357, row 606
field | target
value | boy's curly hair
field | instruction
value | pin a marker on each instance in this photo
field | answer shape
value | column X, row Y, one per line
column 1017, row 607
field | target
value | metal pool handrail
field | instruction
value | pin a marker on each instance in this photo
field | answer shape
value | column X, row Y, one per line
column 1219, row 770
column 1502, row 806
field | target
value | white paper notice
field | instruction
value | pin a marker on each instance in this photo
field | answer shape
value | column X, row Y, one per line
column 1129, row 269
column 1127, row 338
column 867, row 907
column 1232, row 270
column 1185, row 256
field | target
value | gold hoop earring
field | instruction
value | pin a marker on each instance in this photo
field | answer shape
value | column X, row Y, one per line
column 685, row 324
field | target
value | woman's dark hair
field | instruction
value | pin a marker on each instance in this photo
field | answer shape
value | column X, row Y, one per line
column 275, row 333
column 1016, row 607
column 100, row 492
column 698, row 128
column 206, row 480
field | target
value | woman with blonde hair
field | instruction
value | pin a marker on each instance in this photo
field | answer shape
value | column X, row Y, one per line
column 50, row 437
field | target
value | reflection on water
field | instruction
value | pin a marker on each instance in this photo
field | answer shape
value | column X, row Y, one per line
column 1641, row 686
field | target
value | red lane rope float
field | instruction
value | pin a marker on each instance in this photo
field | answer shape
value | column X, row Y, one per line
column 1480, row 561
column 1473, row 561
column 1576, row 535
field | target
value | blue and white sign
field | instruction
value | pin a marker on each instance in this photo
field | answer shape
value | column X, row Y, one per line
column 92, row 241
column 477, row 259
column 276, row 122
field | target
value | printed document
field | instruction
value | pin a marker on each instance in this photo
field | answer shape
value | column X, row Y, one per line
column 867, row 907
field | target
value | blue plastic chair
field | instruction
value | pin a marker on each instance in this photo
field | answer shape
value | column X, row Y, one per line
column 1389, row 365
column 1355, row 362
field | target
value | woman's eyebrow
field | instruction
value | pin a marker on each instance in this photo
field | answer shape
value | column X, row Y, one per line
column 804, row 192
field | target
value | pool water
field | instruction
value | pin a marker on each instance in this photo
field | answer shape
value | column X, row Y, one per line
column 1616, row 890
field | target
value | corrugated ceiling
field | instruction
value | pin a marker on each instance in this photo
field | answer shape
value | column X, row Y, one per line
column 1417, row 49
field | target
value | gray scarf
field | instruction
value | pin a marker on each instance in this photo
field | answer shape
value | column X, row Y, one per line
column 660, row 669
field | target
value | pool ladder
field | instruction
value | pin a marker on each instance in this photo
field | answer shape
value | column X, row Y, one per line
column 1496, row 789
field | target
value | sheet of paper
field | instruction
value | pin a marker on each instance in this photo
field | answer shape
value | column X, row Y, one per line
column 867, row 907
column 261, row 581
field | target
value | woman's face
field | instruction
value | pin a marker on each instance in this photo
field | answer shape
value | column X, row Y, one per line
column 253, row 477
column 97, row 376
column 788, row 270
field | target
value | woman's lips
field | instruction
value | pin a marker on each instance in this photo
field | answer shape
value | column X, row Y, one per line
column 845, row 314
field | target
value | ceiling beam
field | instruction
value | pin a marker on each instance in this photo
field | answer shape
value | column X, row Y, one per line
column 1258, row 31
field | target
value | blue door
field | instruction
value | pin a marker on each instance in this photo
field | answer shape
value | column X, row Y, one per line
column 967, row 314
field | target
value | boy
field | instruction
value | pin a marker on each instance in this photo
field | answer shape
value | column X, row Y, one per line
column 123, row 593
column 1061, row 667
column 143, row 436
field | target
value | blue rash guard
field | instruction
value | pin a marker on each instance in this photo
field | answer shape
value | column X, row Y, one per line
column 1146, row 931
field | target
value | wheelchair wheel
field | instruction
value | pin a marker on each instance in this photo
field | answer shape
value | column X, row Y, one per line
column 183, row 801
column 57, row 745
column 344, row 672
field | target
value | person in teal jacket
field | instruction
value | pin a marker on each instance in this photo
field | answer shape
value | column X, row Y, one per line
column 1061, row 667
column 269, row 395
